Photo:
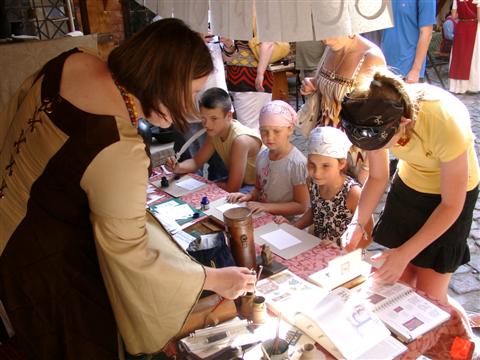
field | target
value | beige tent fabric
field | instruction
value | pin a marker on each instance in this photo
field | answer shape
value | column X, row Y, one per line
column 281, row 20
column 19, row 60
column 232, row 19
column 195, row 11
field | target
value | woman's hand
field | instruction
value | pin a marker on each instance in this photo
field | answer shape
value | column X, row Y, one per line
column 395, row 263
column 308, row 86
column 259, row 82
column 256, row 206
column 238, row 197
column 230, row 282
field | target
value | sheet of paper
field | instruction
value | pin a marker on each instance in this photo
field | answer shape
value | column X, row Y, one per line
column 190, row 184
column 183, row 211
column 281, row 239
column 166, row 205
column 226, row 206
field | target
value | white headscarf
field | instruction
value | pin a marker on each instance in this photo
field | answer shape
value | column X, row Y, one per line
column 329, row 141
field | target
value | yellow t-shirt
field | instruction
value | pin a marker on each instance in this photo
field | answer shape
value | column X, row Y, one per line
column 444, row 133
column 223, row 148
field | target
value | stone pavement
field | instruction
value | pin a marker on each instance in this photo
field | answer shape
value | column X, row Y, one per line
column 465, row 283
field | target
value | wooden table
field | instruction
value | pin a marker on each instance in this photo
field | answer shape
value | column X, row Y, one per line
column 435, row 344
column 280, row 80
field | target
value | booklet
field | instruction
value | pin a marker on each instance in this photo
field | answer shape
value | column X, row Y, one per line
column 342, row 271
column 407, row 314
column 344, row 325
column 285, row 294
column 175, row 214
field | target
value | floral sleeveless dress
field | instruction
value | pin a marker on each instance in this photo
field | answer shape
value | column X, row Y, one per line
column 331, row 217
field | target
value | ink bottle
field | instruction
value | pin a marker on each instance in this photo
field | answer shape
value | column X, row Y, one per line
column 205, row 203
column 164, row 182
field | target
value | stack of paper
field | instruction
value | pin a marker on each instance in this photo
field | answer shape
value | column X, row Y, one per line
column 285, row 240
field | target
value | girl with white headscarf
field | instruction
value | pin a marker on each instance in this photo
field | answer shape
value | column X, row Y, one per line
column 333, row 194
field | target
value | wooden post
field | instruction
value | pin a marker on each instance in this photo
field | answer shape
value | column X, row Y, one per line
column 104, row 18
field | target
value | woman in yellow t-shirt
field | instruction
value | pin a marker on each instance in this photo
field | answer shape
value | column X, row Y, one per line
column 428, row 211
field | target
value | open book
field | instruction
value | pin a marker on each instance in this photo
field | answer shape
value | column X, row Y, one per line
column 345, row 326
column 286, row 294
column 407, row 314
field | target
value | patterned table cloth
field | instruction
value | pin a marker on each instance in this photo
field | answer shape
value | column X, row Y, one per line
column 435, row 344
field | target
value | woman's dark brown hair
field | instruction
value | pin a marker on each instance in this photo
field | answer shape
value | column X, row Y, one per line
column 158, row 65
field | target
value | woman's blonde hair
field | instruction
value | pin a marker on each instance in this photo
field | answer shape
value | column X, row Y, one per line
column 383, row 84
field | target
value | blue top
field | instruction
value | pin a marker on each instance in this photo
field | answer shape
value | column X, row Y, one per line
column 399, row 43
column 448, row 28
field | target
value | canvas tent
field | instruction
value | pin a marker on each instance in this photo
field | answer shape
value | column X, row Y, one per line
column 279, row 20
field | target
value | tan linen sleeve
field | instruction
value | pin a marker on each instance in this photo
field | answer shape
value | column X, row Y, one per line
column 151, row 282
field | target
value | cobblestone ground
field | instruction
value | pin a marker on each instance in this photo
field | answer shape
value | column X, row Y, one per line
column 465, row 283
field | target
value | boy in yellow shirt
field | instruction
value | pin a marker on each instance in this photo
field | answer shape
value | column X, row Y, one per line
column 236, row 144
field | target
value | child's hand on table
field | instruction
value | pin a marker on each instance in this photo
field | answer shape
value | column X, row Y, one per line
column 171, row 163
column 280, row 220
column 256, row 206
column 238, row 197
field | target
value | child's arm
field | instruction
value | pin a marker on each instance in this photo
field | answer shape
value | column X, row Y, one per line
column 192, row 165
column 372, row 191
column 241, row 147
column 241, row 197
column 297, row 206
column 305, row 220
column 353, row 198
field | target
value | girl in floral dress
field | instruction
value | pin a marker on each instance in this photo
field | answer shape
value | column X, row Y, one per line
column 333, row 194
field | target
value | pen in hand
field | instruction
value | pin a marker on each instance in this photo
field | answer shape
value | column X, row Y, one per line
column 260, row 269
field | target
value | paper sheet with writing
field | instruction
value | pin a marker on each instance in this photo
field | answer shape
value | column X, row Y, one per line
column 281, row 239
column 340, row 270
column 174, row 214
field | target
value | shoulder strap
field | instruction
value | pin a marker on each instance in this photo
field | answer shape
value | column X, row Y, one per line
column 53, row 71
column 359, row 66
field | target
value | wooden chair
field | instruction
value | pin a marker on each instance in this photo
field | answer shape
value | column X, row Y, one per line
column 435, row 59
